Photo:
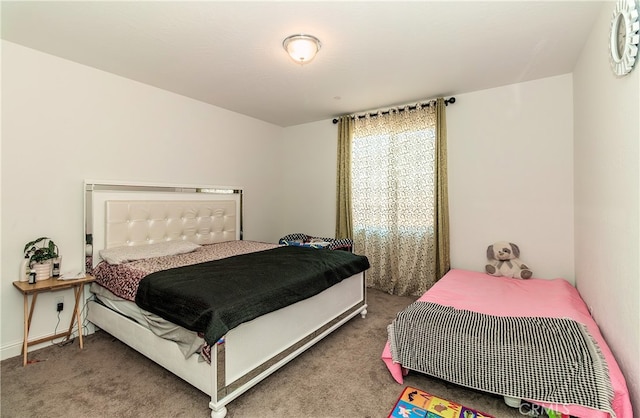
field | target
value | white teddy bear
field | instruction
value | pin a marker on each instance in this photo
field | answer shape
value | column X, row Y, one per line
column 504, row 261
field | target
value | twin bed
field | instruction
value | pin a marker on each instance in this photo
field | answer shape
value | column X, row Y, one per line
column 470, row 328
column 530, row 340
column 223, row 352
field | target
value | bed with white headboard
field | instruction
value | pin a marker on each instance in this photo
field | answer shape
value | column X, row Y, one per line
column 135, row 214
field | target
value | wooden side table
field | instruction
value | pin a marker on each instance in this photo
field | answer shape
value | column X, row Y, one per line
column 50, row 285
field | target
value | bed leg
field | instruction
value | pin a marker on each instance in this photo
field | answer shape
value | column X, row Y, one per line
column 218, row 413
column 511, row 401
column 363, row 312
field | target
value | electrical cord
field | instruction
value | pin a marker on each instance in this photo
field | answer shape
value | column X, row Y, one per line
column 84, row 328
column 85, row 321
column 66, row 339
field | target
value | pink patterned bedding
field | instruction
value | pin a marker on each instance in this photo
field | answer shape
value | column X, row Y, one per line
column 501, row 296
column 123, row 279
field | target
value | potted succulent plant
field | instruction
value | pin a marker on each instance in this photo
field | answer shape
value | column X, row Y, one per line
column 40, row 252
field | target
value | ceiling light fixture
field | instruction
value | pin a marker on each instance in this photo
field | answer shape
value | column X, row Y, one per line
column 301, row 48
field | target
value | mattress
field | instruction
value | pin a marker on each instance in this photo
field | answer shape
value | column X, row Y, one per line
column 216, row 296
column 507, row 297
column 197, row 288
column 116, row 285
column 189, row 342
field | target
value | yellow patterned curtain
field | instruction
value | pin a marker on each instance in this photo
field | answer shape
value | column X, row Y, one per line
column 344, row 227
column 400, row 219
column 443, row 262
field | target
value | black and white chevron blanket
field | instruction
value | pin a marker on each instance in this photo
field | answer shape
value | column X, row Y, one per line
column 552, row 360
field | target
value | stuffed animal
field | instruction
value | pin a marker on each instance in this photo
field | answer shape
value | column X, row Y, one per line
column 504, row 261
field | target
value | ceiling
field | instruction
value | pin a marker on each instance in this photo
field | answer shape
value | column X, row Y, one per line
column 375, row 54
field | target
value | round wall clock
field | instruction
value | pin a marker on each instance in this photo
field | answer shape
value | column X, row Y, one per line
column 623, row 37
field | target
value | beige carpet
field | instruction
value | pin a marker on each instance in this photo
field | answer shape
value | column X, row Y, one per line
column 342, row 376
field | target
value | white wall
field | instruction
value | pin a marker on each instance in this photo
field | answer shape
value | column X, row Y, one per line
column 510, row 175
column 63, row 122
column 607, row 199
column 309, row 155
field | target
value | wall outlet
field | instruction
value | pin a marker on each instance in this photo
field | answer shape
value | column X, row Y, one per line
column 59, row 304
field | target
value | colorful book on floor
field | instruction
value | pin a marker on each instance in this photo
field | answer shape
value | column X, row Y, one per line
column 415, row 403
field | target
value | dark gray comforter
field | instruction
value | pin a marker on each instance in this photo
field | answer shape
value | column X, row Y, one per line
column 216, row 296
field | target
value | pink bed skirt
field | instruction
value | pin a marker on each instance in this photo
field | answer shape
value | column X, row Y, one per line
column 503, row 296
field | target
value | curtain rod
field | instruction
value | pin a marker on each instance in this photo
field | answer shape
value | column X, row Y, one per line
column 451, row 100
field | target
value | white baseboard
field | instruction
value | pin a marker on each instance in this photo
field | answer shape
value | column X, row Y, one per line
column 12, row 350
column 15, row 349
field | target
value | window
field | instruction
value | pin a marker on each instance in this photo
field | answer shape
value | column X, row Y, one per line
column 392, row 182
column 392, row 196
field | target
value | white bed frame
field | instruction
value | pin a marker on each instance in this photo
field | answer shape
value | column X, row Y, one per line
column 138, row 214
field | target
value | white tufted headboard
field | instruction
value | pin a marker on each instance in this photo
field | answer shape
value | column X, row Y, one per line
column 145, row 222
column 134, row 214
